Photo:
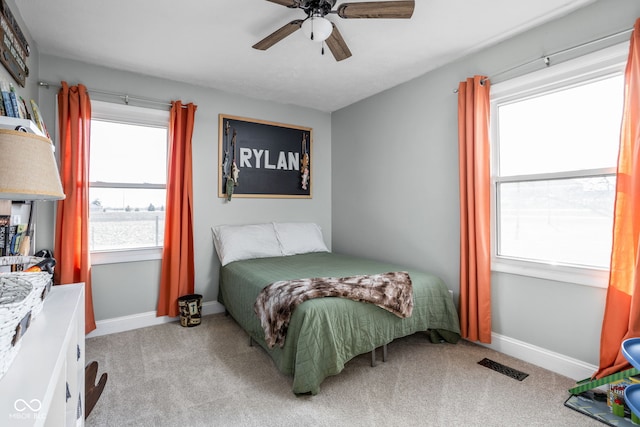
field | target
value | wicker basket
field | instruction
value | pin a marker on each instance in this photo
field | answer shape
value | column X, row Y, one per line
column 41, row 281
column 15, row 316
column 22, row 296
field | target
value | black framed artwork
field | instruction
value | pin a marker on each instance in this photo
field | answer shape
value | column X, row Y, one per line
column 259, row 158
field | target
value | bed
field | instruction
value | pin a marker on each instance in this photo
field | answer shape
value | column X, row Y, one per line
column 323, row 333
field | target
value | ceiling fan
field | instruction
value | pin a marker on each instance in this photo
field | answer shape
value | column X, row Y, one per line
column 320, row 29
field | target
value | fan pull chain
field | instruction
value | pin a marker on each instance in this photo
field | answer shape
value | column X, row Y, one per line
column 322, row 51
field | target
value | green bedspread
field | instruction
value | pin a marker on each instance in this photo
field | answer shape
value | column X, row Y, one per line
column 325, row 333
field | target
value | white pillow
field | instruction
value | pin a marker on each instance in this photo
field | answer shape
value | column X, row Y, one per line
column 239, row 242
column 299, row 237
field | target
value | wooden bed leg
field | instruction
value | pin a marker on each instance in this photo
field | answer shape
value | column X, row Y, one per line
column 373, row 358
column 384, row 353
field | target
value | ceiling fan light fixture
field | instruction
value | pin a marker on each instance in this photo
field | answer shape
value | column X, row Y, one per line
column 317, row 28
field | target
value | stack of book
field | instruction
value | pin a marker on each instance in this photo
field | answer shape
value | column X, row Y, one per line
column 14, row 231
column 13, row 105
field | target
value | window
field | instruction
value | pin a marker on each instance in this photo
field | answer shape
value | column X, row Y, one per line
column 555, row 138
column 128, row 175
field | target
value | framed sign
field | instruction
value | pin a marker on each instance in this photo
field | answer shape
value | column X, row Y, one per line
column 258, row 158
column 14, row 48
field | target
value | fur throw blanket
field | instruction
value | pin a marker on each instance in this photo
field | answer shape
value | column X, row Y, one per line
column 276, row 302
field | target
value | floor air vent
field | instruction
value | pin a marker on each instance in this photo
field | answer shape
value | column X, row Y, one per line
column 499, row 367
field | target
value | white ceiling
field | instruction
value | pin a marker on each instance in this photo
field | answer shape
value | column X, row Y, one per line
column 208, row 43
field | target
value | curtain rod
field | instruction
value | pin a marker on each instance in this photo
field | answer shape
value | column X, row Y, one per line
column 547, row 58
column 123, row 96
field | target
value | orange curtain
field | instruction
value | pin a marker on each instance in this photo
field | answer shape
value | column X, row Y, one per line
column 177, row 276
column 71, row 247
column 622, row 309
column 475, row 185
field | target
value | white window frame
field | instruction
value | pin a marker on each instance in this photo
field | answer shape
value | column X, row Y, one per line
column 600, row 64
column 128, row 114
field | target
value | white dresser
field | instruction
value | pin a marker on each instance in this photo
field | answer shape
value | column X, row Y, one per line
column 45, row 383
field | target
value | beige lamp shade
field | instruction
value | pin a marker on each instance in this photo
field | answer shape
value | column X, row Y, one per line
column 28, row 169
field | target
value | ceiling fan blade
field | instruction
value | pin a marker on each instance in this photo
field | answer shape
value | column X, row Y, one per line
column 287, row 3
column 377, row 9
column 337, row 45
column 278, row 35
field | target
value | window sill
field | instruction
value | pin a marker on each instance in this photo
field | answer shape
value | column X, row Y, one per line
column 560, row 273
column 126, row 255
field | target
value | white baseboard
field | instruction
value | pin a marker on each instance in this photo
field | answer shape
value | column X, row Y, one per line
column 555, row 362
column 142, row 320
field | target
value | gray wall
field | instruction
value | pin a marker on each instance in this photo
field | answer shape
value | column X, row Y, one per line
column 385, row 182
column 395, row 184
column 30, row 91
column 132, row 288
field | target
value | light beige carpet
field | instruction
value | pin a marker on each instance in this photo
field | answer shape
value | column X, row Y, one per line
column 208, row 375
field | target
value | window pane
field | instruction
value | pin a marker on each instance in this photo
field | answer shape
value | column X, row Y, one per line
column 126, row 218
column 128, row 153
column 565, row 221
column 572, row 129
